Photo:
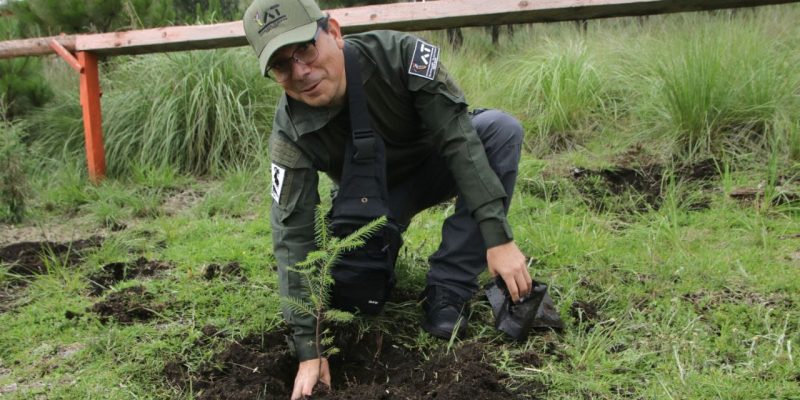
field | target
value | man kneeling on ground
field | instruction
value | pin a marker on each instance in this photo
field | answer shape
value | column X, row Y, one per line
column 435, row 149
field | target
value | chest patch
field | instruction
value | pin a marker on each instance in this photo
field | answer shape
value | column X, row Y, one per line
column 278, row 173
column 425, row 60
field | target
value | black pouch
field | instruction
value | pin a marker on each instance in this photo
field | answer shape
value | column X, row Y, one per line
column 364, row 277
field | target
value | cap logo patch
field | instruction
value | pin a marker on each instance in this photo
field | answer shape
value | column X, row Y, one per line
column 269, row 19
column 425, row 60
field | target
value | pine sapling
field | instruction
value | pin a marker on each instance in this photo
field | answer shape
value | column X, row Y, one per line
column 316, row 270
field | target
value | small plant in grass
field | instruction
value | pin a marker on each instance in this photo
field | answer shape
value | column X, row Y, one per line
column 316, row 270
column 13, row 184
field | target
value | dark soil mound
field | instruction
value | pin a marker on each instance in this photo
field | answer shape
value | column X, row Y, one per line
column 27, row 258
column 257, row 367
column 114, row 273
column 461, row 374
column 261, row 367
column 645, row 182
column 128, row 306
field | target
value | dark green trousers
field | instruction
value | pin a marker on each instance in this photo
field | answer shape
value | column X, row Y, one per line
column 461, row 256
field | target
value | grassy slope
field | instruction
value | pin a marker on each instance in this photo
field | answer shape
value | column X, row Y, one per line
column 691, row 304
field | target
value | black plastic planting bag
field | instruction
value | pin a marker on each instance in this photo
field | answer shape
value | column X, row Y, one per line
column 536, row 311
column 364, row 278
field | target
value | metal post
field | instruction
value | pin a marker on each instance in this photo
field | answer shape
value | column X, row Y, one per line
column 92, row 117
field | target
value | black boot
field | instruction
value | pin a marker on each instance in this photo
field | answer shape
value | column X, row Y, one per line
column 445, row 311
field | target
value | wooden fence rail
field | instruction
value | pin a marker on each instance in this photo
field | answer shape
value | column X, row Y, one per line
column 399, row 16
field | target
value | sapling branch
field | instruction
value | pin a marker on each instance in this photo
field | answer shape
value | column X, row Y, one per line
column 316, row 271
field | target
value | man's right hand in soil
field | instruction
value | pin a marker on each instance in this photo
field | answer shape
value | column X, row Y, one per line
column 308, row 374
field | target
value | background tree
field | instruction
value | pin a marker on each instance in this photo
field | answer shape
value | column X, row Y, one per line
column 21, row 86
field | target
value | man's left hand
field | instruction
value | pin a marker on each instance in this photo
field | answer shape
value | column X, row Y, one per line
column 508, row 261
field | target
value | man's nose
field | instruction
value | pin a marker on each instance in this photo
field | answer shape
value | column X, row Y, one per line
column 300, row 69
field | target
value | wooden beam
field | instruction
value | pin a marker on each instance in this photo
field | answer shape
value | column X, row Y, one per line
column 460, row 13
column 406, row 17
column 174, row 38
column 400, row 16
column 34, row 47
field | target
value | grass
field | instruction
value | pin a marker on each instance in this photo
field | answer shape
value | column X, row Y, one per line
column 690, row 302
column 197, row 112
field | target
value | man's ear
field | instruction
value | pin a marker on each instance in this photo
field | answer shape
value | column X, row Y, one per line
column 336, row 32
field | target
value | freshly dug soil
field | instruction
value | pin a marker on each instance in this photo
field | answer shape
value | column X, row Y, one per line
column 644, row 180
column 27, row 258
column 114, row 273
column 256, row 367
column 128, row 306
column 461, row 374
column 261, row 367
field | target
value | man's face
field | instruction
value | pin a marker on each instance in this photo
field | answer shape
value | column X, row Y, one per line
column 322, row 82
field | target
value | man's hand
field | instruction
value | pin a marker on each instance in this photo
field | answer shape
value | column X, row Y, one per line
column 507, row 261
column 308, row 374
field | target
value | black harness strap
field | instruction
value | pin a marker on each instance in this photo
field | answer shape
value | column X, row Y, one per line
column 363, row 277
column 362, row 190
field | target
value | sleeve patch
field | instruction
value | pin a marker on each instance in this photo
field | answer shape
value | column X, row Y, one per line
column 278, row 173
column 425, row 60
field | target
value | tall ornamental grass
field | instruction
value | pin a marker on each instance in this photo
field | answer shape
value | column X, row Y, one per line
column 560, row 89
column 718, row 84
column 697, row 84
column 198, row 112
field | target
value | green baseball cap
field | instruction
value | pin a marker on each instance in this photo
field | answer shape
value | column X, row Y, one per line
column 272, row 24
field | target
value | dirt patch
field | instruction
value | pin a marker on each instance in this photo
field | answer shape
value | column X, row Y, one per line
column 261, row 366
column 127, row 306
column 181, row 201
column 61, row 229
column 794, row 257
column 113, row 273
column 706, row 300
column 643, row 185
column 779, row 197
column 213, row 271
column 530, row 358
column 586, row 313
column 256, row 367
column 8, row 296
column 28, row 258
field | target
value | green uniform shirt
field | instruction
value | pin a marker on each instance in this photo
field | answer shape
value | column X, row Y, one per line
column 417, row 111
